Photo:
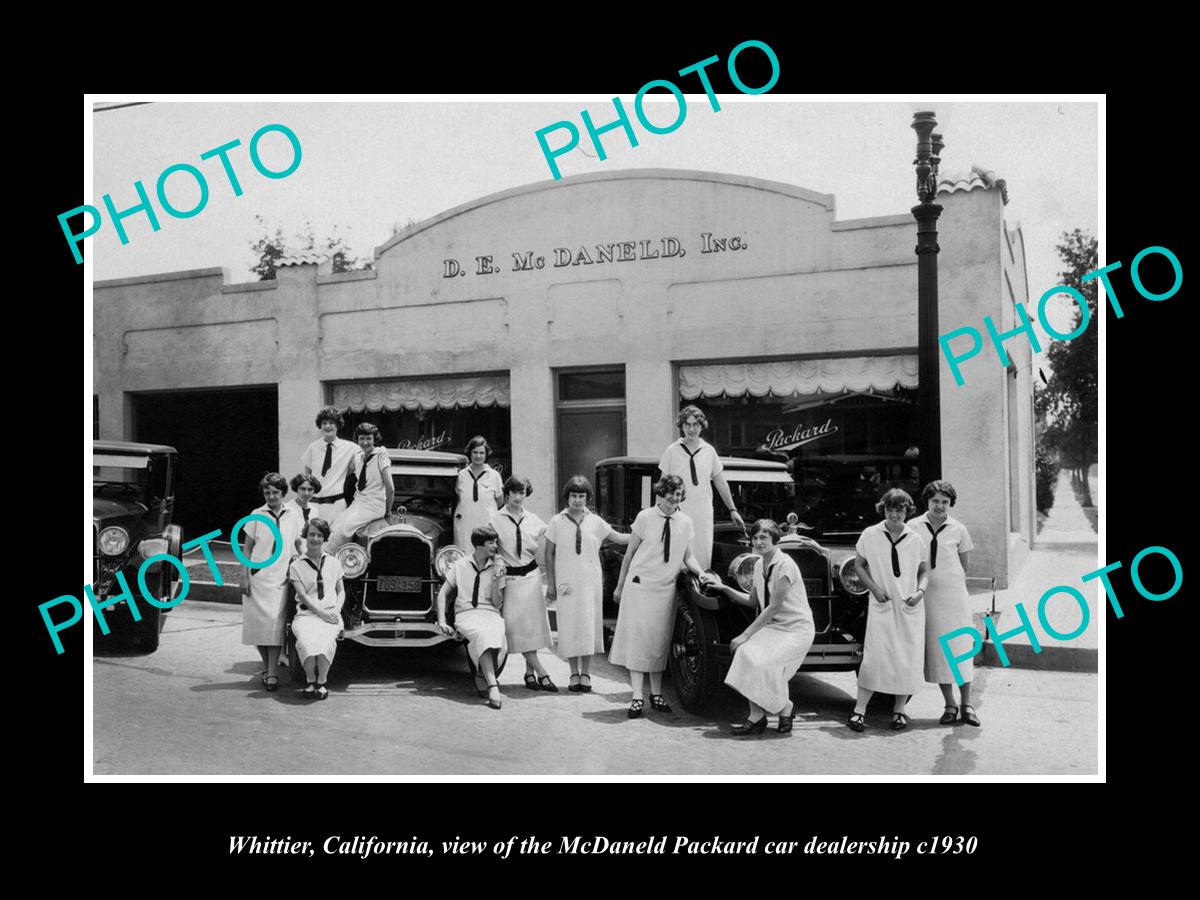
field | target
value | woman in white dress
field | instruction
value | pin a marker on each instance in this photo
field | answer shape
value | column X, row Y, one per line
column 305, row 487
column 771, row 649
column 374, row 489
column 479, row 490
column 264, row 595
column 317, row 579
column 946, row 604
column 329, row 457
column 696, row 462
column 575, row 578
column 478, row 582
column 525, row 618
column 890, row 560
column 659, row 546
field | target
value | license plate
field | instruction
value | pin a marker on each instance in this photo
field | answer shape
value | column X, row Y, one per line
column 398, row 584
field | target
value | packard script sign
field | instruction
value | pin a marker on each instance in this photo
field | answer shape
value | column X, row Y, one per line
column 596, row 254
column 780, row 440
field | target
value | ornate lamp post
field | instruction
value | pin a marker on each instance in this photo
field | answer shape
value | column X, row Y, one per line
column 929, row 405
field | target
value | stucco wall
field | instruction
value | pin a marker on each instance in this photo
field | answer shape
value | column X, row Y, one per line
column 804, row 284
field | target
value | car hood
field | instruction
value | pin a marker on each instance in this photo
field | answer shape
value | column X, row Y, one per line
column 107, row 508
column 416, row 526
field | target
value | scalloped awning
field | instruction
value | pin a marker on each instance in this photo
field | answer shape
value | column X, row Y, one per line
column 792, row 377
column 430, row 393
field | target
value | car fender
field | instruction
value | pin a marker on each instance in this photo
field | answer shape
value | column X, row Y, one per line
column 691, row 589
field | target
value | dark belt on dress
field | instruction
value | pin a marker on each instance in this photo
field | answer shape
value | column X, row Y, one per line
column 517, row 571
column 332, row 498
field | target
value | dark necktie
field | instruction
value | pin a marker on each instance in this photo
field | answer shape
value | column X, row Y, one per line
column 666, row 538
column 475, row 487
column 895, row 555
column 475, row 590
column 578, row 532
column 767, row 586
column 328, row 459
column 933, row 543
column 362, row 475
column 320, row 582
column 306, row 511
column 517, row 526
column 692, row 462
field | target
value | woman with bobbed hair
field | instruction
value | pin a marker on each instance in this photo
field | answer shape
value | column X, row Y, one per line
column 305, row 487
column 890, row 560
column 659, row 546
column 480, row 492
column 772, row 648
column 317, row 579
column 947, row 603
column 696, row 462
column 575, row 578
column 264, row 589
column 329, row 457
column 478, row 580
column 525, row 618
column 374, row 489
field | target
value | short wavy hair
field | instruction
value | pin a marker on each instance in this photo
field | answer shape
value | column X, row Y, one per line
column 275, row 480
column 691, row 411
column 331, row 414
column 517, row 483
column 483, row 534
column 896, row 498
column 320, row 524
column 770, row 526
column 577, row 484
column 669, row 484
column 298, row 480
column 369, row 428
column 941, row 486
column 478, row 441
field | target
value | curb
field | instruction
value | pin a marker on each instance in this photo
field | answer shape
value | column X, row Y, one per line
column 1053, row 658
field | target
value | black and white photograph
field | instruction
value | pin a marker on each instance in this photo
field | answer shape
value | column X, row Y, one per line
column 690, row 435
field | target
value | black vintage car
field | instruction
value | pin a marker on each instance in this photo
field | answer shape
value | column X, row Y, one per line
column 706, row 622
column 394, row 568
column 133, row 497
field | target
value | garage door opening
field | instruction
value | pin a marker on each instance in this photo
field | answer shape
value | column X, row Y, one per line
column 227, row 440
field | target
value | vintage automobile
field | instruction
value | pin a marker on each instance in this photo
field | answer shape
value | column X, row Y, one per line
column 394, row 568
column 133, row 497
column 706, row 621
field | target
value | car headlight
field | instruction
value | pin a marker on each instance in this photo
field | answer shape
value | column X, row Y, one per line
column 848, row 577
column 113, row 540
column 353, row 559
column 741, row 570
column 152, row 547
column 446, row 557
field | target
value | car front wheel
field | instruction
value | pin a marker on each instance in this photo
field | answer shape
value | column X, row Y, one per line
column 693, row 657
column 146, row 632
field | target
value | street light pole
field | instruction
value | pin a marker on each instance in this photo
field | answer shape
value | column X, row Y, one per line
column 929, row 403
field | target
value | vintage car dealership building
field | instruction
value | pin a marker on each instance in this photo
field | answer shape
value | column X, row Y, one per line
column 569, row 320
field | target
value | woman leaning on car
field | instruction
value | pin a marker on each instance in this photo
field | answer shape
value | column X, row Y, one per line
column 695, row 460
column 659, row 546
column 772, row 648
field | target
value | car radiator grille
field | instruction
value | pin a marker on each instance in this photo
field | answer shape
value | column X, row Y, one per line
column 398, row 557
column 814, row 569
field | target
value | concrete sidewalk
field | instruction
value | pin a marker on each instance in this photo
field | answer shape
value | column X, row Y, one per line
column 203, row 585
column 1064, row 551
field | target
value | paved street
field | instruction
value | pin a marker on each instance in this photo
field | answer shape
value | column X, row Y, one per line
column 194, row 707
